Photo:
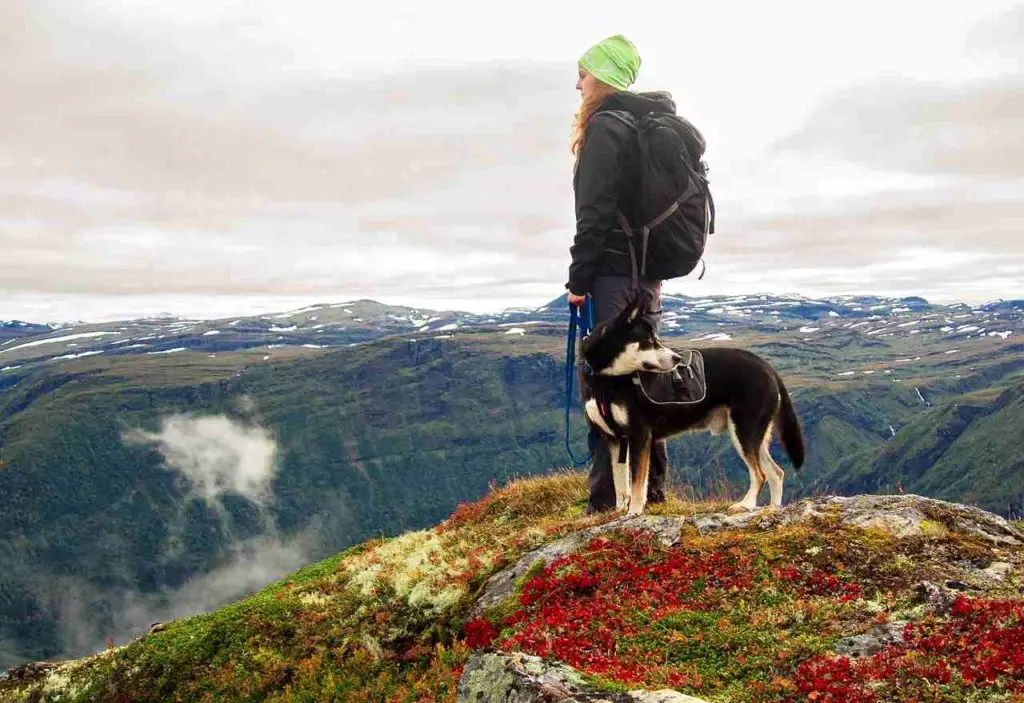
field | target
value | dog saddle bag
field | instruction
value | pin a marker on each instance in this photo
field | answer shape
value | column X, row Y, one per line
column 683, row 385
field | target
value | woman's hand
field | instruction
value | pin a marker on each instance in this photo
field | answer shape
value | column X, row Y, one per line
column 576, row 300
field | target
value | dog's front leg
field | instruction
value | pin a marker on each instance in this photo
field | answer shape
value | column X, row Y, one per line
column 639, row 463
column 620, row 474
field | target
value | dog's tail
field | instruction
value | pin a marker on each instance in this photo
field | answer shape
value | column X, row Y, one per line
column 788, row 426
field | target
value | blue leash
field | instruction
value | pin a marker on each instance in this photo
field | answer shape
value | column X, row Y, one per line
column 583, row 323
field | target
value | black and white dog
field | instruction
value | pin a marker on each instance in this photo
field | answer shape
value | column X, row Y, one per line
column 744, row 395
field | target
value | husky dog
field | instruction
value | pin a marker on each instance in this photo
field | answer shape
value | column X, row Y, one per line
column 743, row 395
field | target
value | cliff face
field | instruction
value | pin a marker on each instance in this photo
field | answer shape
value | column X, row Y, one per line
column 519, row 597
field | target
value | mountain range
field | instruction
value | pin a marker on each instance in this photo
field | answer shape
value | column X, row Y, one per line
column 158, row 467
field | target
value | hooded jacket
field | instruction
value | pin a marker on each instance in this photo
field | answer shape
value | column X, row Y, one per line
column 604, row 184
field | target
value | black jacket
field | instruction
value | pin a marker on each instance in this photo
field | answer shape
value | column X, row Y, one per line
column 603, row 185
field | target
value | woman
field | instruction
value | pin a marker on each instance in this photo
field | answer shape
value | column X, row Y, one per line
column 603, row 182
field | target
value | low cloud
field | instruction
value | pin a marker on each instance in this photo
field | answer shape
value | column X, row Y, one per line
column 216, row 456
column 92, row 618
column 10, row 654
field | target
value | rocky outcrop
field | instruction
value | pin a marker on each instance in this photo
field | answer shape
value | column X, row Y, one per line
column 503, row 583
column 514, row 677
column 522, row 678
column 909, row 516
column 902, row 515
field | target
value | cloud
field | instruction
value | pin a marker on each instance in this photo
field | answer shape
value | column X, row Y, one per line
column 221, row 150
column 916, row 188
column 1000, row 35
column 966, row 128
column 962, row 131
column 125, row 173
column 89, row 617
column 216, row 456
column 10, row 654
column 124, row 130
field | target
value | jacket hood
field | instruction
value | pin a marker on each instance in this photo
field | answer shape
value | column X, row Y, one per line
column 640, row 104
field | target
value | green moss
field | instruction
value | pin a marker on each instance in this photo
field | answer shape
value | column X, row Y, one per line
column 725, row 649
column 933, row 529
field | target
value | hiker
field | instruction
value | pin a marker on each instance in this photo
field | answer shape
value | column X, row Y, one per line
column 604, row 178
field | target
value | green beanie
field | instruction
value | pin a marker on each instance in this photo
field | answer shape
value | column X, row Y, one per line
column 613, row 61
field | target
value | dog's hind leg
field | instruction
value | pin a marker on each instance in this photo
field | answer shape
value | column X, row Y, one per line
column 757, row 475
column 639, row 465
column 774, row 472
column 620, row 475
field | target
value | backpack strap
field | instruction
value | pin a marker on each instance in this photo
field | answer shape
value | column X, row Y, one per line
column 628, row 119
column 711, row 211
column 634, row 278
column 645, row 234
column 663, row 216
column 622, row 116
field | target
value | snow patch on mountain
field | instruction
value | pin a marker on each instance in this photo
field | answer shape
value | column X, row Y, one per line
column 77, row 356
column 53, row 340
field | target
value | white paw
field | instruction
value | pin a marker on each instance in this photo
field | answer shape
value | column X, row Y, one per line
column 622, row 503
column 741, row 508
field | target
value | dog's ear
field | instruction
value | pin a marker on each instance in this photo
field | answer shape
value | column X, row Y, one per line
column 628, row 314
column 634, row 312
column 639, row 304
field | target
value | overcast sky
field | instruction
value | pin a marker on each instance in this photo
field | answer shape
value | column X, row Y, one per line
column 206, row 157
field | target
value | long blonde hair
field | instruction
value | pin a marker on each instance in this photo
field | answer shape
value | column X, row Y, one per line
column 587, row 109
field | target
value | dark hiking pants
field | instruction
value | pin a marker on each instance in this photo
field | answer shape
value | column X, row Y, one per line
column 610, row 295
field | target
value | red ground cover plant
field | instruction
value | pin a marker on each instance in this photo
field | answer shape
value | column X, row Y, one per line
column 583, row 604
column 627, row 609
column 980, row 645
column 599, row 609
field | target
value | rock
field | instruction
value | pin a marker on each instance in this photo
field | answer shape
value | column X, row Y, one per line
column 726, row 521
column 871, row 642
column 497, row 677
column 937, row 598
column 909, row 516
column 27, row 672
column 502, row 584
column 663, row 696
column 997, row 571
column 905, row 521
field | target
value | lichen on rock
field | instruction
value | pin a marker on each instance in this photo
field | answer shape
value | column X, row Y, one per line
column 497, row 677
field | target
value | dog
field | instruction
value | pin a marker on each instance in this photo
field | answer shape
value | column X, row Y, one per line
column 744, row 396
